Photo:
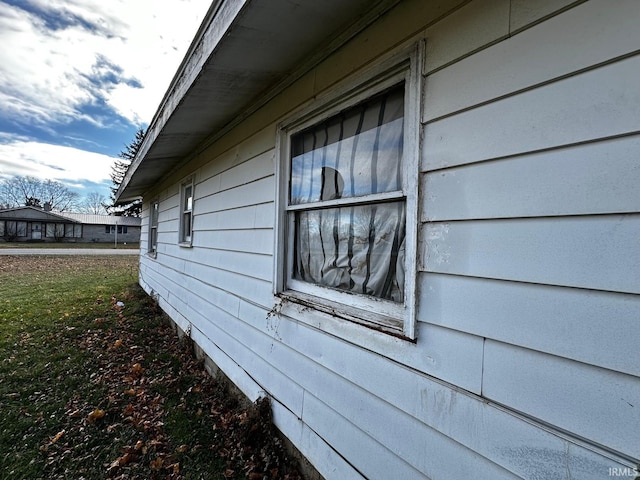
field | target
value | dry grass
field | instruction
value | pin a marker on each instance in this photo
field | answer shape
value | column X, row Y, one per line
column 91, row 389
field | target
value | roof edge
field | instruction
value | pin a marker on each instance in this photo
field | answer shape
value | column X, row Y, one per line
column 217, row 21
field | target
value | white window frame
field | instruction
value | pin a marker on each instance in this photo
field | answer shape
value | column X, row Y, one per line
column 185, row 239
column 152, row 240
column 317, row 302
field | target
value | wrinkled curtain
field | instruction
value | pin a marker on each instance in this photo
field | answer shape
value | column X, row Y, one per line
column 357, row 248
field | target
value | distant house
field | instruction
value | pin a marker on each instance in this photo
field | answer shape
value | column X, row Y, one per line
column 32, row 224
column 414, row 225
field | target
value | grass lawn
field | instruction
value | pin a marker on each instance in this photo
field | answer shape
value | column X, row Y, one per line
column 92, row 389
column 66, row 245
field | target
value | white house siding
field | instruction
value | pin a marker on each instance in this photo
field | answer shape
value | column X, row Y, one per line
column 526, row 363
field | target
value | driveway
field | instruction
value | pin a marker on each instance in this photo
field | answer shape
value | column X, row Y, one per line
column 69, row 251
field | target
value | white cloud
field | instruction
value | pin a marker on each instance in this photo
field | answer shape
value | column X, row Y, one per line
column 68, row 165
column 75, row 53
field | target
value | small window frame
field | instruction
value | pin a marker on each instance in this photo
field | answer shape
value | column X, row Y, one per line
column 397, row 319
column 152, row 239
column 185, row 233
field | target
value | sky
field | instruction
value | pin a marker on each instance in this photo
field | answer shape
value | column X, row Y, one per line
column 79, row 77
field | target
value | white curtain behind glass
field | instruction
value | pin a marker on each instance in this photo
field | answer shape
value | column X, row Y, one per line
column 357, row 248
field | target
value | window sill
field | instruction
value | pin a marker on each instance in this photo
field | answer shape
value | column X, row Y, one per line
column 391, row 344
column 335, row 317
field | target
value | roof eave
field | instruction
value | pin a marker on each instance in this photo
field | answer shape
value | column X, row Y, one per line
column 242, row 51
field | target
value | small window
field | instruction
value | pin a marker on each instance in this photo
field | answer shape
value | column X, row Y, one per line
column 186, row 212
column 153, row 228
column 348, row 228
column 112, row 229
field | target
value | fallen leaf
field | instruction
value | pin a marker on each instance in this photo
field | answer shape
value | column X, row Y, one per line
column 182, row 448
column 137, row 368
column 124, row 459
column 156, row 464
column 95, row 415
column 57, row 436
column 118, row 343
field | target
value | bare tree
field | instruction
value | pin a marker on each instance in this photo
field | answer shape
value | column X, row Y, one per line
column 31, row 191
column 94, row 203
column 118, row 172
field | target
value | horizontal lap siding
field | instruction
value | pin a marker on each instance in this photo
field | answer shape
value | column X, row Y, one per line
column 531, row 221
column 599, row 328
column 594, row 252
column 592, row 105
column 587, row 35
column 593, row 403
column 369, row 389
column 518, row 262
column 552, row 183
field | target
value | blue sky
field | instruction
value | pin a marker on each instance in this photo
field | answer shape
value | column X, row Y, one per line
column 78, row 77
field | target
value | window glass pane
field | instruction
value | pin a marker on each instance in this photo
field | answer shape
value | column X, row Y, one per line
column 188, row 198
column 358, row 249
column 50, row 229
column 77, row 231
column 1, row 229
column 153, row 239
column 357, row 152
column 59, row 232
column 153, row 227
column 186, row 225
column 153, row 215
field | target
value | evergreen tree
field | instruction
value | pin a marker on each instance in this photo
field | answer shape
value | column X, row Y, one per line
column 119, row 170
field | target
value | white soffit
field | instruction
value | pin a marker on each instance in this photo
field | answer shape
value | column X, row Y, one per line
column 242, row 50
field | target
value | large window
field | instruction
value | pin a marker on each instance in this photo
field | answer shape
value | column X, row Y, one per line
column 72, row 230
column 349, row 209
column 186, row 212
column 55, row 230
column 153, row 228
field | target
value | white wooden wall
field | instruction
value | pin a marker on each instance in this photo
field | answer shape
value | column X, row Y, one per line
column 527, row 362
